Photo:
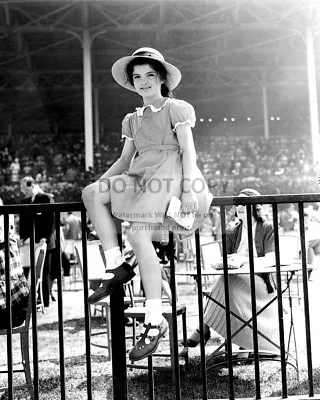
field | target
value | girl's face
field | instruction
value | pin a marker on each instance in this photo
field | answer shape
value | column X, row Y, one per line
column 147, row 82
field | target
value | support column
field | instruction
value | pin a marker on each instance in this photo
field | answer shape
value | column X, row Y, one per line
column 9, row 130
column 88, row 109
column 102, row 127
column 313, row 100
column 96, row 116
column 265, row 112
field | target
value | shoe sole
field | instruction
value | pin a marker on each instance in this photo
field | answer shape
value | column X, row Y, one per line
column 154, row 349
column 107, row 293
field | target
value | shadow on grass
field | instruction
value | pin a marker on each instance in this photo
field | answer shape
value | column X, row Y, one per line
column 218, row 383
column 79, row 360
column 191, row 384
column 73, row 325
column 101, row 381
column 302, row 387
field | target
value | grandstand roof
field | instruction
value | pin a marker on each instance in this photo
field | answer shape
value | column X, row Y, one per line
column 226, row 50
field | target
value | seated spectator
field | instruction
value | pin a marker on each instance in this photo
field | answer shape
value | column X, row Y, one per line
column 19, row 286
column 239, row 285
column 312, row 231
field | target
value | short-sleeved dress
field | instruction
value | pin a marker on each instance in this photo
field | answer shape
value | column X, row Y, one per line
column 142, row 193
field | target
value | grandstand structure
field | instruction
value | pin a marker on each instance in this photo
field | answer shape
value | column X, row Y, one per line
column 238, row 58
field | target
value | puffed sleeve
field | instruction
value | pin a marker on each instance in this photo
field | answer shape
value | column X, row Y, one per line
column 126, row 127
column 182, row 113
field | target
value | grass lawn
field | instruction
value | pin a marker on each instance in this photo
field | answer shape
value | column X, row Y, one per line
column 75, row 360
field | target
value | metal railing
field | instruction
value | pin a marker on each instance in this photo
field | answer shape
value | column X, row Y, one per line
column 119, row 366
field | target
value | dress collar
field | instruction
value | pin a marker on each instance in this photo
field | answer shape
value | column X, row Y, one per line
column 153, row 108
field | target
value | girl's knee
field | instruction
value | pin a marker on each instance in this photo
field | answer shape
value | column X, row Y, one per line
column 88, row 193
column 95, row 191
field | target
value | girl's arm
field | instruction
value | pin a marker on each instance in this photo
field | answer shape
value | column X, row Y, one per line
column 123, row 162
column 188, row 198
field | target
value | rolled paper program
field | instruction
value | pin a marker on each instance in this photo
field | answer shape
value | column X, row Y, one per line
column 175, row 212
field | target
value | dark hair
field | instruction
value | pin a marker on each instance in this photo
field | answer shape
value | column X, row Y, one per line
column 156, row 66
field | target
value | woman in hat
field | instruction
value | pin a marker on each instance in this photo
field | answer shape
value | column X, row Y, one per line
column 239, row 285
column 158, row 161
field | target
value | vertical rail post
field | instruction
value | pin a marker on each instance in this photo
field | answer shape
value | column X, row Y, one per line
column 34, row 310
column 253, row 302
column 86, row 305
column 200, row 308
column 8, row 306
column 60, row 307
column 118, row 336
column 306, row 297
column 227, row 300
column 174, row 318
column 280, row 305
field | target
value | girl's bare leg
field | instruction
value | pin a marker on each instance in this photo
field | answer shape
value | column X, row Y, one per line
column 96, row 196
column 140, row 238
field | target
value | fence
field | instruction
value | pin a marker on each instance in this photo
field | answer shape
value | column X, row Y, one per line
column 118, row 334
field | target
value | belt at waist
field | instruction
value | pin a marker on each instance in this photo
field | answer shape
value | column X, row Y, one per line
column 160, row 147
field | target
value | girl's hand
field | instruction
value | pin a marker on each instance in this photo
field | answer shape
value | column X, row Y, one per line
column 189, row 202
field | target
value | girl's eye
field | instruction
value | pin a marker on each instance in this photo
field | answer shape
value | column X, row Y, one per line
column 135, row 77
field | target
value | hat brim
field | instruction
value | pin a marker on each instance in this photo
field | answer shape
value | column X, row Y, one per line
column 118, row 71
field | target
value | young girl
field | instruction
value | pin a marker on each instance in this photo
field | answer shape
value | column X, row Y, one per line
column 139, row 188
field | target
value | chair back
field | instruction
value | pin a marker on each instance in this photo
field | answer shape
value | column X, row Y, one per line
column 210, row 254
column 39, row 256
column 289, row 246
column 96, row 263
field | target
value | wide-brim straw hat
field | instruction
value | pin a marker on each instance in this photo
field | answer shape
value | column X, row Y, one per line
column 119, row 68
column 249, row 192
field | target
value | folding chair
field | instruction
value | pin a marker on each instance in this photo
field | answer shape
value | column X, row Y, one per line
column 289, row 246
column 210, row 254
column 23, row 329
column 96, row 269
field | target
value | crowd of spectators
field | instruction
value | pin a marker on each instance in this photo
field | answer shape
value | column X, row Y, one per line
column 280, row 164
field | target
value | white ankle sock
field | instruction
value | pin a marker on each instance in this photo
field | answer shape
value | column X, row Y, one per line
column 114, row 259
column 153, row 314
